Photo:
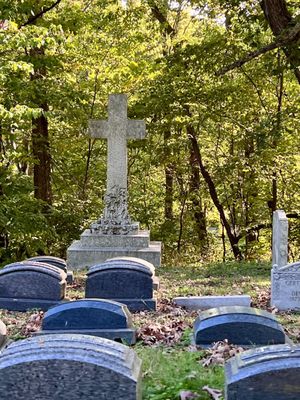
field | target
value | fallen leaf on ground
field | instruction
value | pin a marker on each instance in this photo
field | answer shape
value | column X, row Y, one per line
column 220, row 352
column 216, row 394
column 187, row 394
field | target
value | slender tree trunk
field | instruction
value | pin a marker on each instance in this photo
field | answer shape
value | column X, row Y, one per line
column 40, row 133
column 233, row 239
column 199, row 214
column 169, row 179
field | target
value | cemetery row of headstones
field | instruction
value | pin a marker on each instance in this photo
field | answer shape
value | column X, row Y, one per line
column 41, row 283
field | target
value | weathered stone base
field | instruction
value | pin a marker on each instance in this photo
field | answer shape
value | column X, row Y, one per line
column 138, row 304
column 128, row 335
column 94, row 248
column 27, row 304
column 70, row 277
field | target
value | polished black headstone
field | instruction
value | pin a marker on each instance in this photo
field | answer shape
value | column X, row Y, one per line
column 127, row 282
column 3, row 334
column 68, row 367
column 265, row 373
column 104, row 318
column 243, row 326
column 57, row 262
column 26, row 285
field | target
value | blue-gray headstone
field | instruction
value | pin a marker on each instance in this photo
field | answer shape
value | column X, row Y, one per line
column 32, row 282
column 56, row 261
column 265, row 373
column 68, row 367
column 3, row 334
column 243, row 326
column 121, row 280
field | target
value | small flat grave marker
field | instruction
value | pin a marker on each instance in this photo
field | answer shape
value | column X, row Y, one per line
column 68, row 367
column 104, row 318
column 56, row 262
column 123, row 281
column 206, row 302
column 3, row 334
column 26, row 285
column 285, row 287
column 244, row 326
column 268, row 373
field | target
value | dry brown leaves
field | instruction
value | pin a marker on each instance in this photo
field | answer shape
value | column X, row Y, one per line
column 263, row 299
column 220, row 352
column 165, row 327
column 187, row 394
column 33, row 323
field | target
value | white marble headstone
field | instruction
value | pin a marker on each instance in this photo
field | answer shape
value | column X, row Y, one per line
column 285, row 290
column 280, row 238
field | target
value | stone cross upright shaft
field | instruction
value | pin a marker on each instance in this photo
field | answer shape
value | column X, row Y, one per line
column 117, row 129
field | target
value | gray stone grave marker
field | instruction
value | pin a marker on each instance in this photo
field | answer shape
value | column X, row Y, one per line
column 244, row 326
column 68, row 367
column 285, row 288
column 266, row 373
column 206, row 302
column 124, row 281
column 26, row 285
column 104, row 318
column 280, row 232
column 115, row 234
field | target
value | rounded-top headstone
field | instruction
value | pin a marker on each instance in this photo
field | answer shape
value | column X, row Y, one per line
column 3, row 334
column 32, row 280
column 134, row 260
column 69, row 367
column 87, row 314
column 55, row 261
column 119, row 279
column 244, row 326
column 270, row 373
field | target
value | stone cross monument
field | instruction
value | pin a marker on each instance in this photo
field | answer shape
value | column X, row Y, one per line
column 117, row 129
column 114, row 234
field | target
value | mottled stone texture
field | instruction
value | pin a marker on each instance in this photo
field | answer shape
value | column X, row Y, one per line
column 56, row 262
column 243, row 326
column 266, row 373
column 285, row 287
column 3, row 334
column 31, row 284
column 206, row 302
column 104, row 318
column 280, row 232
column 126, row 281
column 105, row 238
column 68, row 367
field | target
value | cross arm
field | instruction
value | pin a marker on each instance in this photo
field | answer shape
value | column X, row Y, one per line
column 98, row 128
column 136, row 129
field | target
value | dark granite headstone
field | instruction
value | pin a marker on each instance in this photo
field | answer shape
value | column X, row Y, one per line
column 243, row 326
column 57, row 262
column 26, row 285
column 3, row 334
column 69, row 367
column 265, row 373
column 124, row 281
column 104, row 318
column 139, row 261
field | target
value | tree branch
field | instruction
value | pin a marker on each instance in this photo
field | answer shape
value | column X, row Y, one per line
column 33, row 18
column 161, row 18
column 292, row 36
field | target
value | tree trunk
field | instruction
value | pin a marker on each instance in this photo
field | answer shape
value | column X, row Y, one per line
column 199, row 215
column 40, row 133
column 169, row 178
column 280, row 20
column 233, row 239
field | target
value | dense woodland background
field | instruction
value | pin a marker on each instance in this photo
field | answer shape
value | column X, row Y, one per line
column 218, row 85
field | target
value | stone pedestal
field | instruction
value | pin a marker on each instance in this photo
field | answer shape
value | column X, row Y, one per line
column 94, row 248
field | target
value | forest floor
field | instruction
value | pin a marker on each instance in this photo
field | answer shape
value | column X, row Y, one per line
column 172, row 367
